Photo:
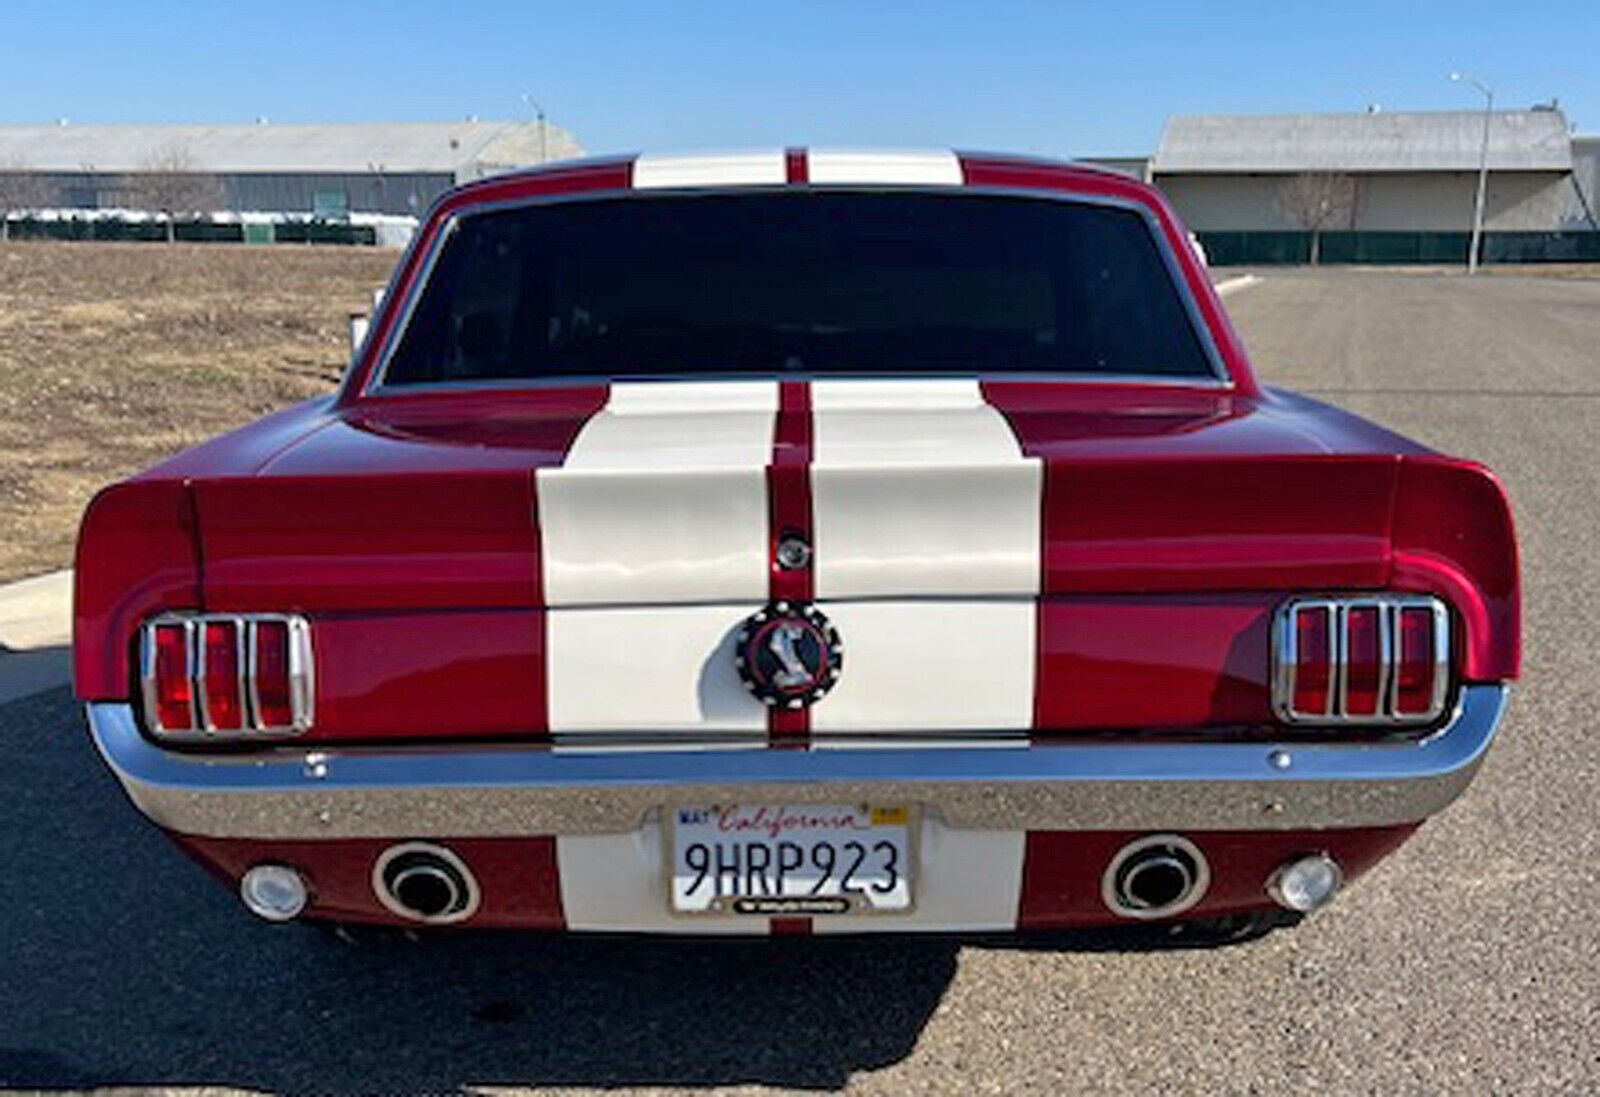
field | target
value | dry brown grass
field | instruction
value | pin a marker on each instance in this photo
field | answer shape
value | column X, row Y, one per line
column 113, row 356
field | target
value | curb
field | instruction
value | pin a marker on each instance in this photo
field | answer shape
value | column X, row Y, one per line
column 1233, row 285
column 35, row 635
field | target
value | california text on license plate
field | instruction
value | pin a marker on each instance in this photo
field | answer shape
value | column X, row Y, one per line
column 795, row 860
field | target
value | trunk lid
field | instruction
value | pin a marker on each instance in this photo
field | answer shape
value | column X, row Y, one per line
column 664, row 493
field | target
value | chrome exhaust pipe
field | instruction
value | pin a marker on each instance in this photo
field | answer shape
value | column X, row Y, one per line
column 423, row 882
column 1157, row 876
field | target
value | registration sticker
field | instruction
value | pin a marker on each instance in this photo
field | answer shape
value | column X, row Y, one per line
column 790, row 860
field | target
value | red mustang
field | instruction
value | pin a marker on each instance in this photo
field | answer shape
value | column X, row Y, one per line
column 798, row 542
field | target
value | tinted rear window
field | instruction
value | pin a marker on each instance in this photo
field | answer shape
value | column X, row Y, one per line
column 810, row 283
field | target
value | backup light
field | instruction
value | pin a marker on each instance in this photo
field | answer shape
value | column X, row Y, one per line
column 1361, row 660
column 276, row 893
column 1306, row 884
column 226, row 676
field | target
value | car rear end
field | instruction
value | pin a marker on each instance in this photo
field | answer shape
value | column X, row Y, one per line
column 807, row 542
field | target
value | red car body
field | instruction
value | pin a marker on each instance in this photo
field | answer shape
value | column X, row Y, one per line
column 1050, row 685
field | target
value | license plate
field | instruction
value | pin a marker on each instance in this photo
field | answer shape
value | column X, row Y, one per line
column 799, row 860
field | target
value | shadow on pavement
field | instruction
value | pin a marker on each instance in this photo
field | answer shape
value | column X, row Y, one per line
column 122, row 964
column 26, row 671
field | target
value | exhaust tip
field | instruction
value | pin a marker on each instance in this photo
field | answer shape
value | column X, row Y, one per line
column 427, row 883
column 1157, row 876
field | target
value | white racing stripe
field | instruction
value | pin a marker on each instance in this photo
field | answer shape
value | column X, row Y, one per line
column 648, row 668
column 648, row 426
column 912, row 422
column 922, row 494
column 654, row 547
column 889, row 167
column 662, row 498
column 931, row 665
column 726, row 169
column 920, row 488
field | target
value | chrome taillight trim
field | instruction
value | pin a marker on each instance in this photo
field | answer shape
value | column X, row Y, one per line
column 246, row 627
column 1285, row 652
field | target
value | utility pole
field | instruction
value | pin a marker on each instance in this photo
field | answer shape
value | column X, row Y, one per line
column 1475, row 247
column 538, row 112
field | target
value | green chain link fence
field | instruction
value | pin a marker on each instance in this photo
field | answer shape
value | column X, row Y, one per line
column 191, row 232
column 1226, row 249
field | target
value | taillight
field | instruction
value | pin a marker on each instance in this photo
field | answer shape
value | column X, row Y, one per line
column 221, row 674
column 1365, row 661
column 227, row 676
column 169, row 675
column 274, row 701
column 1421, row 661
column 1371, row 660
column 1313, row 682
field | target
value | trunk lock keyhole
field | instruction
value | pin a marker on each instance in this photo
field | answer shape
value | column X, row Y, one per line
column 793, row 553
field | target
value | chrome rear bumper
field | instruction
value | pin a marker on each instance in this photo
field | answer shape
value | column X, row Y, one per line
column 301, row 792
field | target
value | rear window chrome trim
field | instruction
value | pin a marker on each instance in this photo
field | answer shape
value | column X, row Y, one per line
column 576, row 380
column 376, row 386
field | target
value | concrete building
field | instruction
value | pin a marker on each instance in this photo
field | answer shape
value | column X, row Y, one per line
column 1410, row 172
column 394, row 168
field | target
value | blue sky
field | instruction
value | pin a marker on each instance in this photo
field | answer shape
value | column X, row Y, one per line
column 1062, row 78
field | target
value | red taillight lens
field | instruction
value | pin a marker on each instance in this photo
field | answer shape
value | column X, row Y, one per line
column 274, row 697
column 1415, row 662
column 1363, row 660
column 1313, row 665
column 172, row 696
column 224, row 703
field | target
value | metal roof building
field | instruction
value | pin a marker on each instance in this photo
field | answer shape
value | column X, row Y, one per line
column 376, row 167
column 1410, row 172
column 1522, row 140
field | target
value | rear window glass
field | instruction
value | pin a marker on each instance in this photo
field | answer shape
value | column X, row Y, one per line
column 798, row 282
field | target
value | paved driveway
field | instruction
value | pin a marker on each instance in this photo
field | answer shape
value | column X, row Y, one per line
column 1470, row 962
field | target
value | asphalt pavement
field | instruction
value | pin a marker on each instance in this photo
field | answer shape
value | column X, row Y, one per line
column 1469, row 962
